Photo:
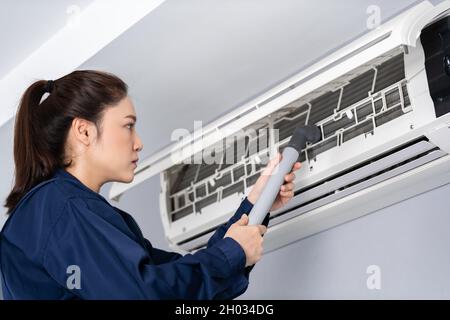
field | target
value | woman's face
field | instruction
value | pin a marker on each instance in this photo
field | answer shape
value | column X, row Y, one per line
column 115, row 154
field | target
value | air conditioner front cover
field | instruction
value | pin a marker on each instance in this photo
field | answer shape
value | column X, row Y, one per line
column 382, row 140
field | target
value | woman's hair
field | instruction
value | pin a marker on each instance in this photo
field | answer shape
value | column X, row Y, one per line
column 41, row 128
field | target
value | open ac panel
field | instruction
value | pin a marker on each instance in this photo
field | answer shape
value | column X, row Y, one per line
column 383, row 106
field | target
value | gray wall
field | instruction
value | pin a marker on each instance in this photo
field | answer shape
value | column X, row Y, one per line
column 408, row 241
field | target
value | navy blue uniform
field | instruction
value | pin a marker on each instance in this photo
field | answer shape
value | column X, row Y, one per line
column 61, row 223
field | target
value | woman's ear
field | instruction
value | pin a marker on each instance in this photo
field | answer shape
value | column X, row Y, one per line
column 83, row 131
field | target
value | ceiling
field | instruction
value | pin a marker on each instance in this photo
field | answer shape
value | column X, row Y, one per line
column 26, row 24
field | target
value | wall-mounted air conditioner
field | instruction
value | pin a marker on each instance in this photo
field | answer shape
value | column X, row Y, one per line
column 383, row 105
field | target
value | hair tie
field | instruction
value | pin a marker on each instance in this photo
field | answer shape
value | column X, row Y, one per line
column 49, row 86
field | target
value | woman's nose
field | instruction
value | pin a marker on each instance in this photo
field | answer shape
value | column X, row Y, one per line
column 138, row 146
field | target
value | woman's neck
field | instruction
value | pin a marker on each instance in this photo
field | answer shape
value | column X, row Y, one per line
column 86, row 177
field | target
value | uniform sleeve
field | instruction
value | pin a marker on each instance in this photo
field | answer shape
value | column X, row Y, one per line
column 245, row 207
column 157, row 255
column 161, row 256
column 110, row 264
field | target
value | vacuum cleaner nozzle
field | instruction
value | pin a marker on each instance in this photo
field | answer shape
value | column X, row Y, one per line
column 302, row 135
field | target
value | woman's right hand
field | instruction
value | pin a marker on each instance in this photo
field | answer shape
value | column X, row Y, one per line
column 249, row 237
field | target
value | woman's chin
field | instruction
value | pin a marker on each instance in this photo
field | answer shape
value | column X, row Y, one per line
column 127, row 178
column 130, row 178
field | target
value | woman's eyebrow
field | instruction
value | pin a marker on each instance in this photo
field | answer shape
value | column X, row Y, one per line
column 132, row 117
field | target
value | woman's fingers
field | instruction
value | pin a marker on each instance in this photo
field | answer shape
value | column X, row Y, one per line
column 271, row 165
column 289, row 177
column 297, row 166
column 287, row 187
column 287, row 194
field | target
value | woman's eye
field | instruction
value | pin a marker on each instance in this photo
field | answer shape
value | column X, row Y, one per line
column 130, row 125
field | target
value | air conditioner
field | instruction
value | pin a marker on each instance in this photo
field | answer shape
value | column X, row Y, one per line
column 383, row 106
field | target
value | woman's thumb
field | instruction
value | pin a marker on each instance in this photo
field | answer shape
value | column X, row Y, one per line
column 269, row 169
column 243, row 220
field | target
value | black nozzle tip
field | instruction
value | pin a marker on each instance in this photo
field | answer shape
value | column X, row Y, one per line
column 304, row 134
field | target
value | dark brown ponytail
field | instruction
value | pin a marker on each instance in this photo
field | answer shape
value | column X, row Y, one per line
column 41, row 128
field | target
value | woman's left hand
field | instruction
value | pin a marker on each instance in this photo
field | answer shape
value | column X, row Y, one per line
column 286, row 190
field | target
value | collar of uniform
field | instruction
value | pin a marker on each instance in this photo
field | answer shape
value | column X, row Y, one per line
column 63, row 174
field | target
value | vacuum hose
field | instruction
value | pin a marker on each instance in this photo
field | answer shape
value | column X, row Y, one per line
column 290, row 154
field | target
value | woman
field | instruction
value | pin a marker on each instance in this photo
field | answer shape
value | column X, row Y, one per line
column 63, row 240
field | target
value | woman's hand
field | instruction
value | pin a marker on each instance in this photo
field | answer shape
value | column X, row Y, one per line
column 286, row 190
column 249, row 238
